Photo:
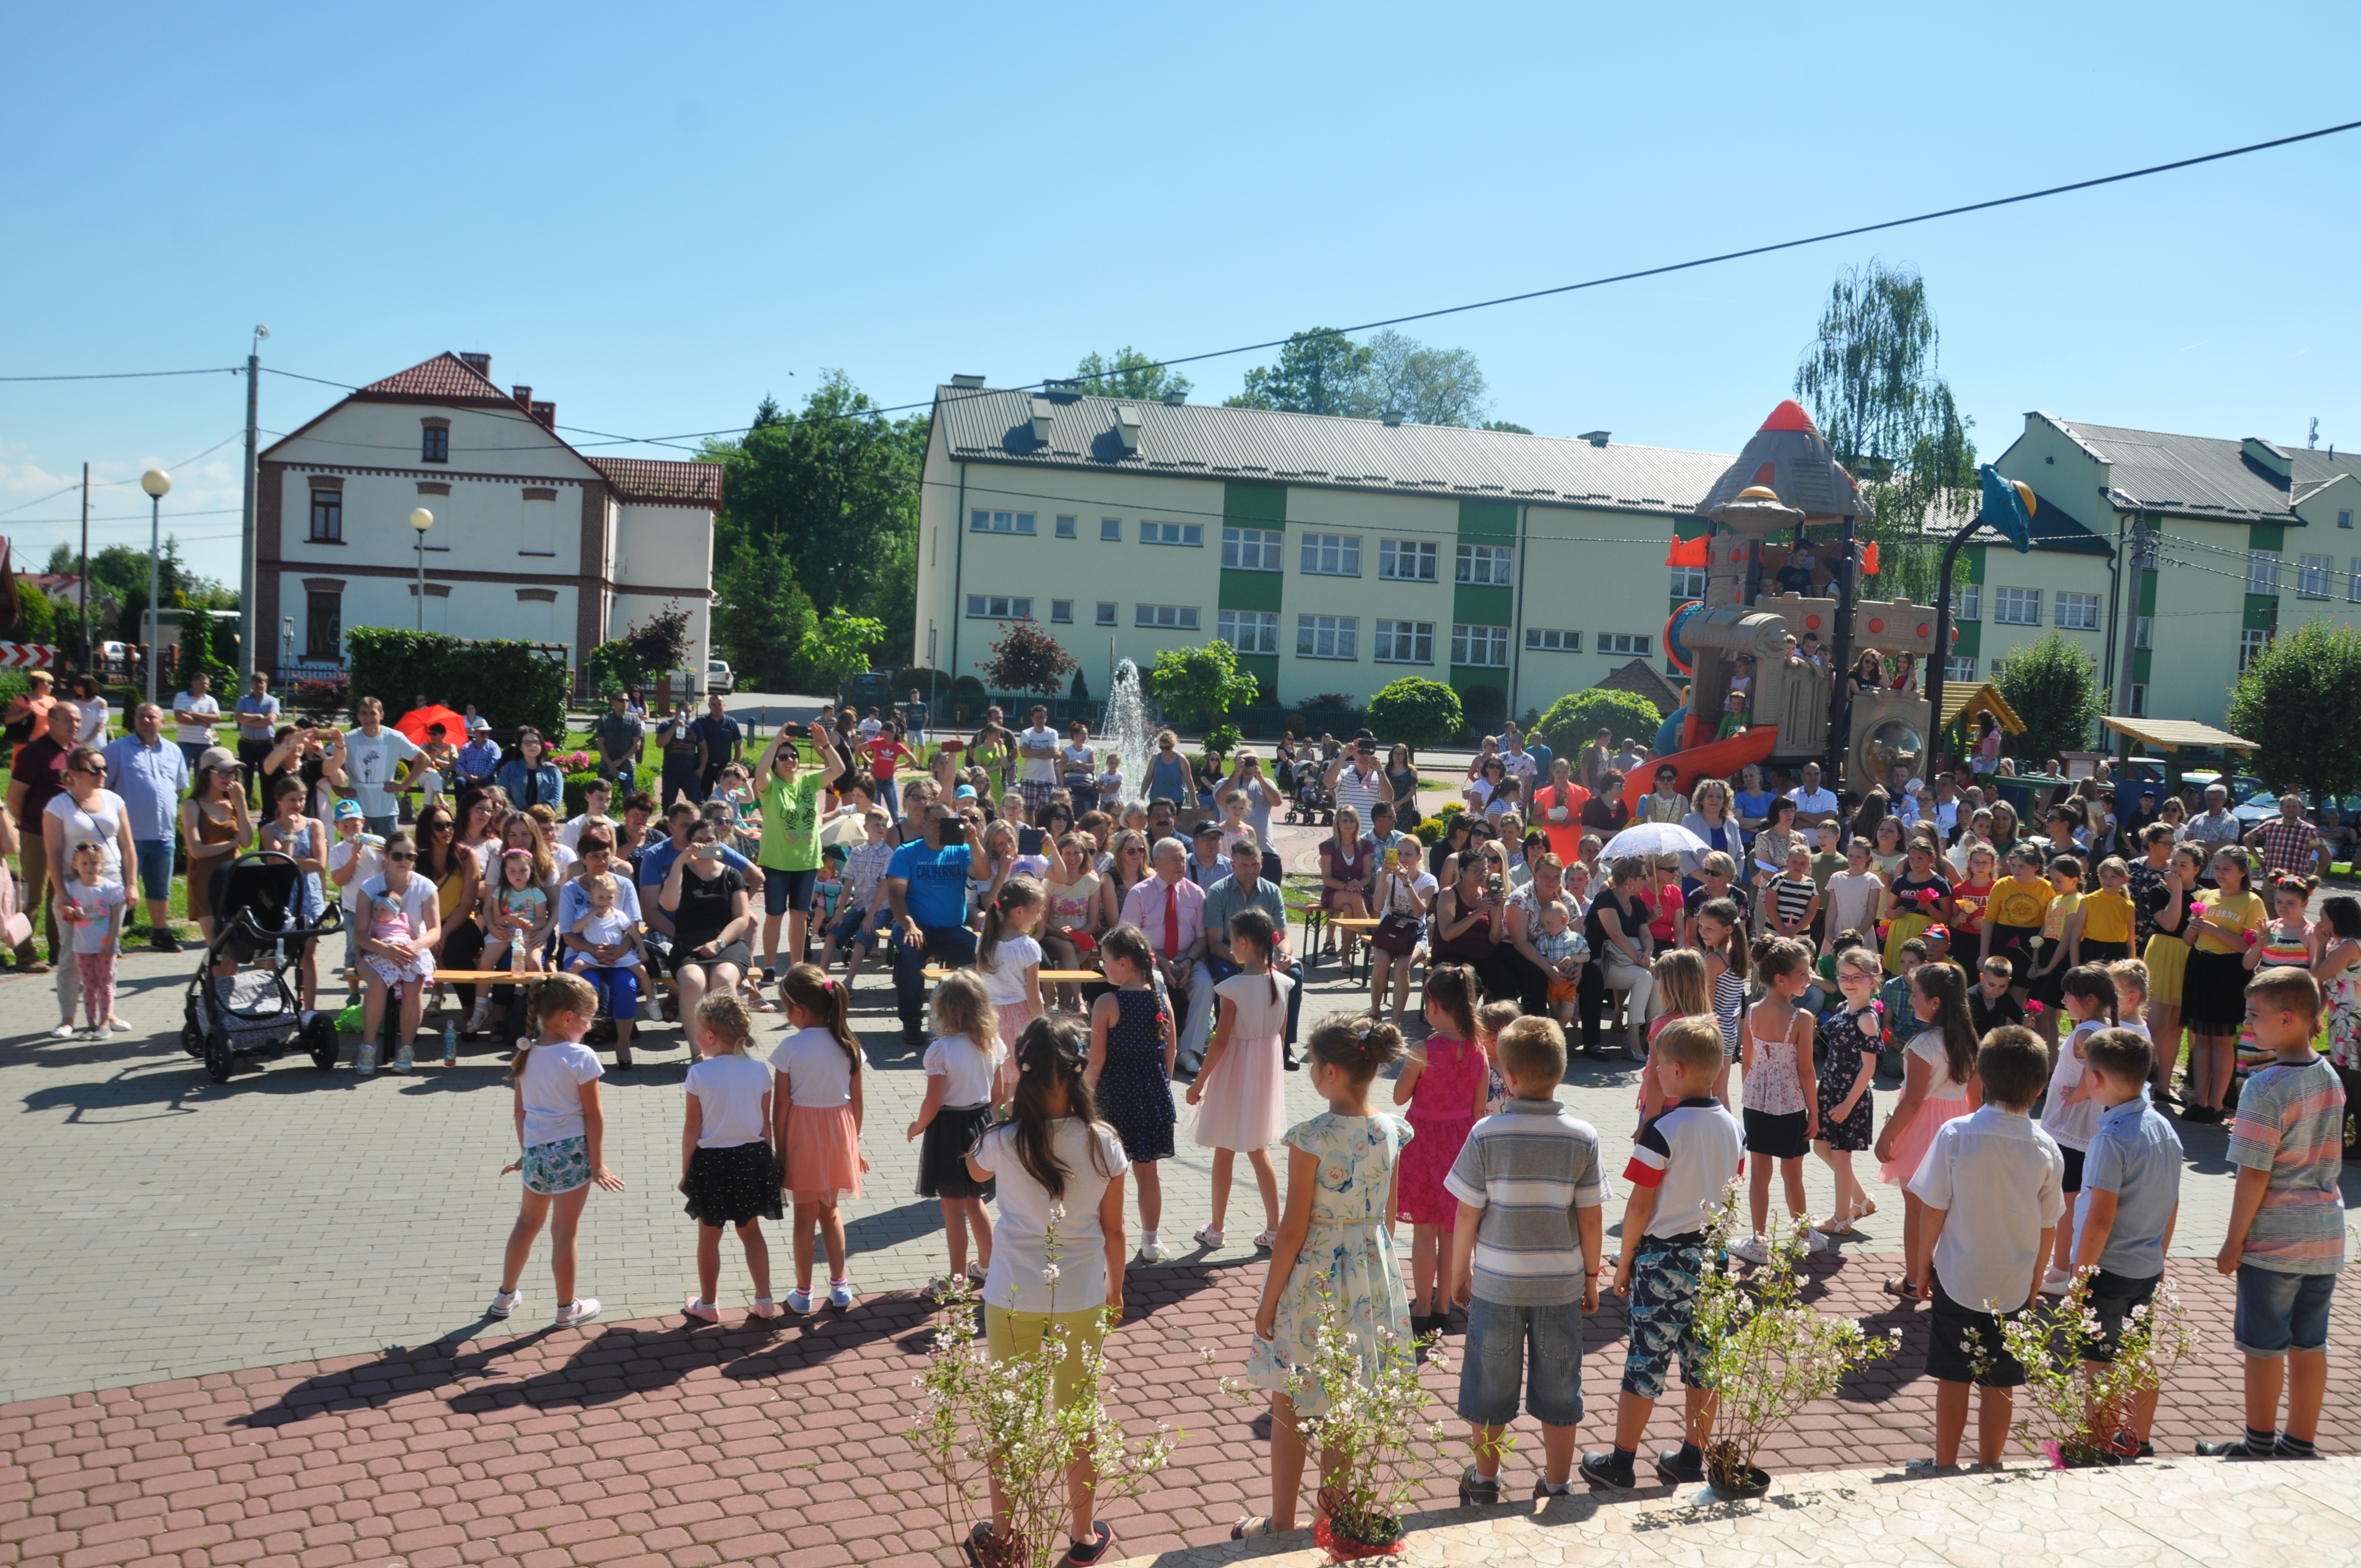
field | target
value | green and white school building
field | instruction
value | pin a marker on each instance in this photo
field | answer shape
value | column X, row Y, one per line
column 1338, row 554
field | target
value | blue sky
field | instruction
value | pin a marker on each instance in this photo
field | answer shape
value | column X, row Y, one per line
column 656, row 216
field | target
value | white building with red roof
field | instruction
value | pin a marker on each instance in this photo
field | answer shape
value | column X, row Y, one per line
column 532, row 540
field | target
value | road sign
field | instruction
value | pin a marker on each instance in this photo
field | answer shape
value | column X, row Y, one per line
column 27, row 656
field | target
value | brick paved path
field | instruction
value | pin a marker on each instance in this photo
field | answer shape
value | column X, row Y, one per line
column 645, row 1442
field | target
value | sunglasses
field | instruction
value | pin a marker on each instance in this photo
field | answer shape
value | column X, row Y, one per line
column 403, row 855
column 95, row 770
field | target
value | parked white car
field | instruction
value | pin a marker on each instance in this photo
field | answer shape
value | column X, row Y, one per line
column 718, row 678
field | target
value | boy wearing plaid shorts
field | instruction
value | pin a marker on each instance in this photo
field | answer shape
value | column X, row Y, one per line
column 1684, row 1158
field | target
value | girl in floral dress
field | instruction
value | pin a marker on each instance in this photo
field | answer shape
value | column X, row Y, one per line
column 1852, row 1032
column 2336, row 964
column 1444, row 1085
column 1342, row 1167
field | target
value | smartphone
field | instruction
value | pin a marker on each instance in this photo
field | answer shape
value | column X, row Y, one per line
column 1031, row 840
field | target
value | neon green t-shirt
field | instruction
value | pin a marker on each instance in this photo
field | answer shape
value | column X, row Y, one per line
column 791, row 822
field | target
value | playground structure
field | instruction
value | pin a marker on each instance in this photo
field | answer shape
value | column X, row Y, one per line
column 1793, row 710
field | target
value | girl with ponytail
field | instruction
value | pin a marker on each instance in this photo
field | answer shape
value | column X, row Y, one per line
column 1938, row 1083
column 816, row 1110
column 1009, row 959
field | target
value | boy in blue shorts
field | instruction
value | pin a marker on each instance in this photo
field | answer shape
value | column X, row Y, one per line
column 1525, row 1254
column 2125, row 1214
column 1684, row 1158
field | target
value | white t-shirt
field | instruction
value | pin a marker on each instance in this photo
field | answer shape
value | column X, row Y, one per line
column 551, row 1087
column 1019, row 1238
column 92, row 731
column 1927, row 1046
column 203, row 711
column 369, row 762
column 728, row 1090
column 2072, row 1125
column 100, row 823
column 1819, row 800
column 1004, row 979
column 96, row 905
column 1998, row 1176
column 1853, row 901
column 612, row 929
column 818, row 1075
column 574, row 900
column 966, row 1072
column 569, row 832
column 1043, row 770
column 340, row 854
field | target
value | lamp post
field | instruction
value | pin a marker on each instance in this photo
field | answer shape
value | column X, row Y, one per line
column 155, row 482
column 421, row 520
column 2007, row 509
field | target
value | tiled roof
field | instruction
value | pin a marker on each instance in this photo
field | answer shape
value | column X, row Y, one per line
column 646, row 479
column 1202, row 441
column 446, row 378
column 1641, row 681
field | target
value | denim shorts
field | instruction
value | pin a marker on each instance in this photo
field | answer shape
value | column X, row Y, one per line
column 1665, row 1275
column 1502, row 1343
column 783, row 890
column 154, row 867
column 2280, row 1312
column 2112, row 1297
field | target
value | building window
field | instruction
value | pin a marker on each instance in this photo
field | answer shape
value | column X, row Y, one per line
column 1405, row 642
column 2017, row 607
column 1248, row 630
column 1958, row 669
column 1169, row 617
column 2262, row 572
column 1253, row 550
column 323, row 624
column 328, row 517
column 434, row 444
column 999, row 607
column 2251, row 642
column 1111, row 530
column 1688, row 582
column 1061, row 609
column 2078, row 612
column 1066, row 527
column 1485, row 564
column 2139, row 700
column 1486, row 647
column 2311, row 578
column 1538, row 641
column 2343, row 519
column 982, row 521
column 2353, row 582
column 1191, row 534
column 1406, row 560
column 1332, row 554
column 2143, row 630
column 1968, row 603
column 1327, row 637
column 1106, row 612
column 1620, row 643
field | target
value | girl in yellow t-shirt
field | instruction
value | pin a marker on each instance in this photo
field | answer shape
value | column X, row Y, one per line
column 2013, row 915
column 2048, row 978
column 2105, row 931
column 2213, row 990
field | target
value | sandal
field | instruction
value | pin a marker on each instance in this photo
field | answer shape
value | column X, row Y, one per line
column 1210, row 1239
column 1253, row 1527
column 698, row 1311
column 1101, row 1545
column 1899, row 1285
column 1265, row 1242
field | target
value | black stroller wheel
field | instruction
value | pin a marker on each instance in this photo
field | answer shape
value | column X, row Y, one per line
column 320, row 1037
column 193, row 1040
column 220, row 1062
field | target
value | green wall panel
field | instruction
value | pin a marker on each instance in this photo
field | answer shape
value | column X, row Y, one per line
column 2142, row 659
column 1250, row 590
column 1487, row 522
column 1970, row 564
column 1971, row 640
column 1465, row 677
column 1244, row 501
column 1481, row 605
column 2265, row 536
column 1264, row 668
column 2262, row 612
column 2147, row 593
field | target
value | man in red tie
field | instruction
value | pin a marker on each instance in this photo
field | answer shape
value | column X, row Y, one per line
column 1171, row 909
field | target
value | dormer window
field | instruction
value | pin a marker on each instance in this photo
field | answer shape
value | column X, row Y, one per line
column 434, row 444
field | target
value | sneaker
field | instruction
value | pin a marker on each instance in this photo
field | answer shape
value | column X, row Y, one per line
column 164, row 942
column 1477, row 1490
column 1210, row 1239
column 799, row 1303
column 1751, row 1250
column 365, row 1059
column 649, row 1012
column 1544, row 1489
column 1151, row 1252
column 504, row 1302
column 403, row 1061
column 839, row 1293
column 118, row 1027
column 765, row 1308
column 1612, row 1471
column 1673, row 1470
column 581, row 1310
column 2236, row 1448
column 64, row 1031
column 1818, row 1242
column 770, row 975
column 2056, row 1282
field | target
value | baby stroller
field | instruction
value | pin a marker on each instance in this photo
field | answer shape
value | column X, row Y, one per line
column 253, row 1013
column 1311, row 802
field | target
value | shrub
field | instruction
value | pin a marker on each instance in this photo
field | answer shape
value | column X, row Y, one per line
column 319, row 702
column 1025, row 658
column 1572, row 719
column 511, row 684
column 1418, row 713
column 1486, row 706
column 970, row 687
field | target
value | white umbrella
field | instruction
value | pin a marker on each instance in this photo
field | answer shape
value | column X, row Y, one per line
column 1654, row 839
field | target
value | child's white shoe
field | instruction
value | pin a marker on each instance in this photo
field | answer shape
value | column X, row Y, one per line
column 1210, row 1239
column 64, row 1031
column 504, row 1302
column 1817, row 1241
column 2056, row 1282
column 579, row 1310
column 119, row 1025
column 1751, row 1250
column 402, row 1060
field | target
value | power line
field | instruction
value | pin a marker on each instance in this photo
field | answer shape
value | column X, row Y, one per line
column 131, row 374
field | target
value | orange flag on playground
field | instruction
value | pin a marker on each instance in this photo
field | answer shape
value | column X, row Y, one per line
column 1869, row 559
column 1690, row 551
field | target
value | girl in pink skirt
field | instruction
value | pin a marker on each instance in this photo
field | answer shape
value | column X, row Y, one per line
column 816, row 1123
column 1938, row 1082
column 1445, row 1084
column 1009, row 959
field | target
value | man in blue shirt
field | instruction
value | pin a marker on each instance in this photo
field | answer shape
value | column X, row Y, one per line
column 479, row 759
column 151, row 776
column 926, row 887
column 1246, row 888
column 723, row 740
column 913, row 720
column 257, row 720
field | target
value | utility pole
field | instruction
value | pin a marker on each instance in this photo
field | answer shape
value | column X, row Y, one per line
column 85, row 569
column 246, row 655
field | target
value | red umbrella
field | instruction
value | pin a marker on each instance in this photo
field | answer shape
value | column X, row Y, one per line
column 414, row 724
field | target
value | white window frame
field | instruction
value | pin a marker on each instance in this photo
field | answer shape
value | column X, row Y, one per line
column 1336, row 637
column 2353, row 583
column 2312, row 576
column 1067, row 527
column 1958, row 671
column 1110, row 530
column 1176, row 535
column 2139, row 699
column 1108, row 612
column 2017, row 607
column 1165, row 617
column 1012, row 607
column 1624, row 644
column 2251, row 641
column 1253, row 549
column 1688, row 582
column 1405, row 642
column 1061, row 610
column 2084, row 608
column 2143, row 632
column 1968, row 602
column 1331, row 555
column 1476, row 646
column 1418, row 554
column 1486, row 565
column 1550, row 639
column 2262, row 573
column 984, row 519
column 1248, row 630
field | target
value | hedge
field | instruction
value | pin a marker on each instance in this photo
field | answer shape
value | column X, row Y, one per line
column 511, row 684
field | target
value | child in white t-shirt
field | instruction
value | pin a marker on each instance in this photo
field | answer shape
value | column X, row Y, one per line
column 962, row 1076
column 2070, row 1113
column 563, row 1129
column 729, row 1172
column 1009, row 960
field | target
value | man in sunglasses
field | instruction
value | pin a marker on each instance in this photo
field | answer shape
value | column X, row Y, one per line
column 151, row 776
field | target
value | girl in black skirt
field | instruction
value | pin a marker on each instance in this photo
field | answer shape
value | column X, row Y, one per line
column 962, row 1065
column 1849, row 1036
column 728, row 1171
column 1129, row 1071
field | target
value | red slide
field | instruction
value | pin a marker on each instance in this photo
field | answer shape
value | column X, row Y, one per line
column 1716, row 759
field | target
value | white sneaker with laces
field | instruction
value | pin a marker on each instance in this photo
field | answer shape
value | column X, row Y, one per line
column 403, row 1061
column 581, row 1310
column 119, row 1025
column 1751, row 1250
column 504, row 1302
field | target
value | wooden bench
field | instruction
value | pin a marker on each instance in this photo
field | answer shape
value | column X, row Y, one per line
column 1049, row 976
column 1354, row 927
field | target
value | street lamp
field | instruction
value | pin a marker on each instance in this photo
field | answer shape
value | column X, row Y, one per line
column 421, row 520
column 155, row 482
column 2007, row 511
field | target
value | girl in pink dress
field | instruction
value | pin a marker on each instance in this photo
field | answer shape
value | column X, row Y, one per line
column 1445, row 1084
column 1238, row 1091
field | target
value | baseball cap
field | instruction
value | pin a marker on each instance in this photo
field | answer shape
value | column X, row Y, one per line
column 965, row 792
column 349, row 810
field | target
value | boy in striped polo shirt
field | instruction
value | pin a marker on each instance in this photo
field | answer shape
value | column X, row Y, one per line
column 2286, row 1242
column 1525, row 1252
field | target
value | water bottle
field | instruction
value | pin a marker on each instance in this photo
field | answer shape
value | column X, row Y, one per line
column 450, row 1045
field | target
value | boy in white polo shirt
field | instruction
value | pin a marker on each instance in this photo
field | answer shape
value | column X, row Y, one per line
column 1992, row 1186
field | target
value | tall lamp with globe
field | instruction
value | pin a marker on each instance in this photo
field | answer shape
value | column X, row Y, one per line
column 155, row 482
column 421, row 520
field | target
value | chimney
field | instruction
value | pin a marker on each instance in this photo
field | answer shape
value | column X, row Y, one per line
column 481, row 364
column 523, row 396
column 1042, row 410
column 2265, row 455
column 546, row 413
column 967, row 383
column 1176, row 400
column 1392, row 416
column 1126, row 427
column 1596, row 437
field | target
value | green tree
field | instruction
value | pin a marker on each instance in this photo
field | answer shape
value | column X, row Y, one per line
column 1426, row 386
column 1416, row 713
column 1575, row 719
column 839, row 646
column 37, row 617
column 1319, row 372
column 1129, row 374
column 2300, row 702
column 2053, row 686
column 1508, row 425
column 1203, row 683
column 1025, row 658
column 761, row 619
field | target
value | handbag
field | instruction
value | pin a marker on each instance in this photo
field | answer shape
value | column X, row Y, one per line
column 15, row 929
column 1397, row 934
